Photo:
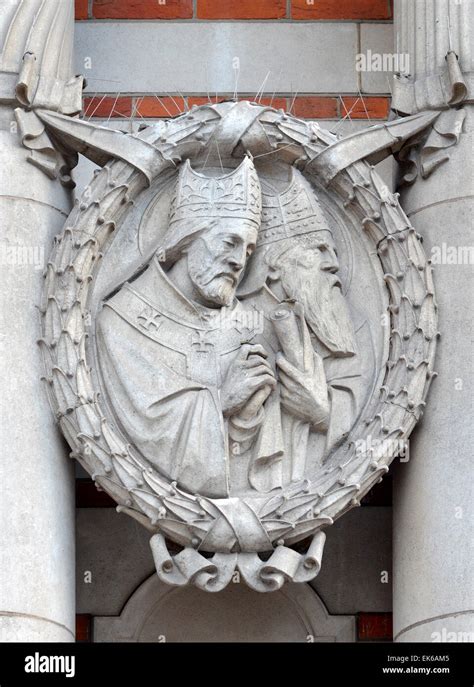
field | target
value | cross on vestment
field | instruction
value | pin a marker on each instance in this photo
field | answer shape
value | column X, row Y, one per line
column 200, row 344
column 149, row 319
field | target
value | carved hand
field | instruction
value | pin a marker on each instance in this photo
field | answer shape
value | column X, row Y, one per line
column 252, row 407
column 248, row 374
column 304, row 394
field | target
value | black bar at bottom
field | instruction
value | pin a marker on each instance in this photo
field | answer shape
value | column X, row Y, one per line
column 316, row 664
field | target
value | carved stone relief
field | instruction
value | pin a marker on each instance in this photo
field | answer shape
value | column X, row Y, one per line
column 239, row 330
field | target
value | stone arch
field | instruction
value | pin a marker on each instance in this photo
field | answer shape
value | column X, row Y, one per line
column 156, row 612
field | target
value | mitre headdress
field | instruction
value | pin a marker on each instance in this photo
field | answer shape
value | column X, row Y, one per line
column 198, row 198
column 293, row 212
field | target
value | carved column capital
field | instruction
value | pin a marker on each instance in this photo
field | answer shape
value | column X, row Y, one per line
column 36, row 72
column 434, row 37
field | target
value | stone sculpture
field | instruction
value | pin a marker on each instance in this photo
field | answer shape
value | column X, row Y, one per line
column 197, row 378
column 296, row 262
column 239, row 330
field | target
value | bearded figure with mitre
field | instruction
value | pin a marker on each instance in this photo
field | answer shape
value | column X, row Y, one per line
column 186, row 381
column 310, row 332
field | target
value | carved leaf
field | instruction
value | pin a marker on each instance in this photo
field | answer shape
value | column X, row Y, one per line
column 89, row 420
column 128, row 473
column 49, row 286
column 395, row 290
column 413, row 283
column 95, row 451
column 65, row 249
column 367, row 200
column 85, row 258
column 86, row 222
column 74, row 323
column 406, row 316
column 112, row 201
column 67, row 354
column 427, row 321
column 373, row 229
column 64, row 391
column 53, row 324
column 394, row 219
column 149, row 503
column 415, row 250
column 416, row 386
column 157, row 486
column 83, row 381
column 183, row 508
column 115, row 445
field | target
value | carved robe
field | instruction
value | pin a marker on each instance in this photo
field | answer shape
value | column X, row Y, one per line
column 163, row 361
column 347, row 380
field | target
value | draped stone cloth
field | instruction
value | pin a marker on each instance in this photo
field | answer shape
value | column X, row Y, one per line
column 36, row 60
column 163, row 361
column 347, row 380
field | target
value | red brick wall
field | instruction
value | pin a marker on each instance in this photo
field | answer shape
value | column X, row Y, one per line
column 142, row 9
column 374, row 627
column 341, row 9
column 82, row 9
column 306, row 107
column 237, row 9
column 83, row 627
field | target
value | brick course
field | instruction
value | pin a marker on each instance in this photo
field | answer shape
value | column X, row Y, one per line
column 341, row 9
column 376, row 107
column 82, row 9
column 315, row 107
column 331, row 10
column 163, row 106
column 306, row 107
column 374, row 627
column 241, row 9
column 83, row 627
column 108, row 106
column 142, row 9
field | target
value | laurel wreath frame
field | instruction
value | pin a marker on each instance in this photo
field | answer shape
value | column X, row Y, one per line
column 115, row 466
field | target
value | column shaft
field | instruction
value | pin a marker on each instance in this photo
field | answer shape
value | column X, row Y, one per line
column 433, row 542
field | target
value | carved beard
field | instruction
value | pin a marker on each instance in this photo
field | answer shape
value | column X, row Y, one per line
column 220, row 290
column 208, row 279
column 326, row 310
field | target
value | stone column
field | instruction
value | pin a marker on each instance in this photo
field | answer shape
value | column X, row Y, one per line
column 37, row 585
column 433, row 493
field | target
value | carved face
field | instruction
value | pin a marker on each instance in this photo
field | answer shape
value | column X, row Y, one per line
column 217, row 258
column 308, row 273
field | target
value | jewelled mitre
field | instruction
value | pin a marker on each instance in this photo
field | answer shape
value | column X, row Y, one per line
column 199, row 198
column 293, row 212
column 233, row 195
